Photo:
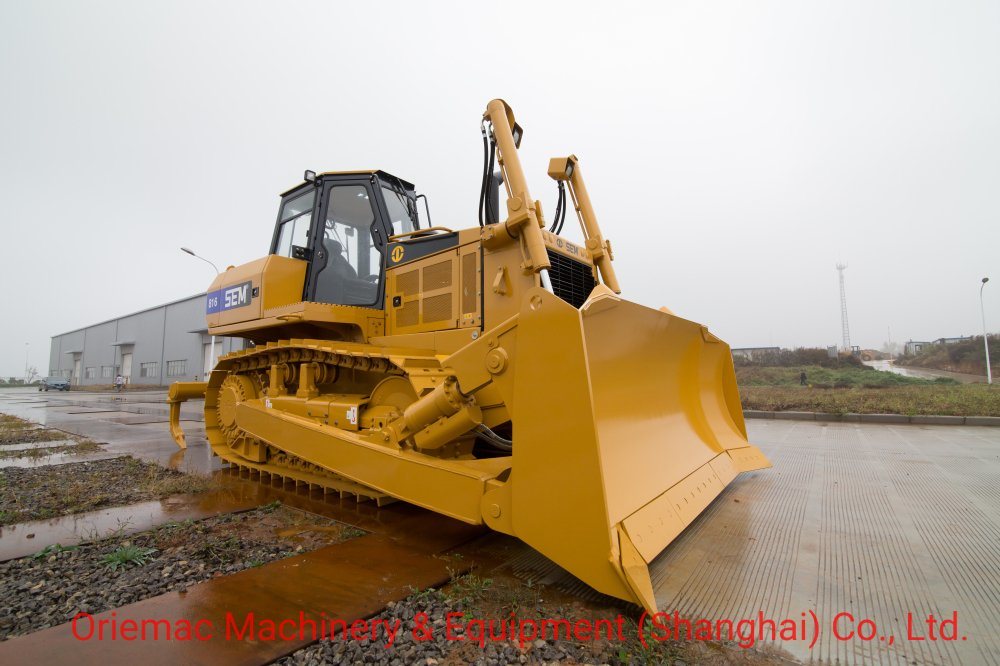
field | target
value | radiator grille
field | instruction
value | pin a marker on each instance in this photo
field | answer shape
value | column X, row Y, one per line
column 437, row 308
column 469, row 284
column 571, row 280
column 408, row 283
column 437, row 276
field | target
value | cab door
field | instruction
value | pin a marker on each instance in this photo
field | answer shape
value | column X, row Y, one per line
column 348, row 247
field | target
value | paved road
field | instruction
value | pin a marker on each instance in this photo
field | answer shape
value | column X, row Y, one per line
column 879, row 521
column 926, row 373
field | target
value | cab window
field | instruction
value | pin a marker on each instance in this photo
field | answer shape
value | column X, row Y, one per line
column 296, row 219
column 398, row 207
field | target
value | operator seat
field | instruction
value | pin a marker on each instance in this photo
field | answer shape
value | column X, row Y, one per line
column 336, row 261
column 339, row 281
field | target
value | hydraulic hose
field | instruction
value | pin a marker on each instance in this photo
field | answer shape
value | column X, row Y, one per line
column 494, row 439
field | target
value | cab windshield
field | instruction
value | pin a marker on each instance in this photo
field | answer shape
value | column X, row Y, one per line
column 402, row 210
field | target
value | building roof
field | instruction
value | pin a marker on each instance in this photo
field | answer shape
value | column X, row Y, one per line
column 132, row 314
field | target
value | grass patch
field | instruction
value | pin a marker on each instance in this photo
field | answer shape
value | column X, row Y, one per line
column 820, row 377
column 928, row 399
column 157, row 484
column 124, row 556
column 78, row 449
column 14, row 430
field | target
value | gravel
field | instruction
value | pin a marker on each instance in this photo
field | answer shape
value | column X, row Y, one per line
column 442, row 650
column 55, row 584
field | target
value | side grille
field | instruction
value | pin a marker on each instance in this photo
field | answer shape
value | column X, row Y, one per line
column 469, row 285
column 437, row 276
column 408, row 283
column 437, row 308
column 409, row 314
column 571, row 280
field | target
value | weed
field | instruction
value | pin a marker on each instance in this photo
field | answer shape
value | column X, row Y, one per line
column 469, row 589
column 127, row 555
column 351, row 532
column 271, row 506
column 159, row 483
column 635, row 651
column 420, row 595
column 221, row 551
column 53, row 550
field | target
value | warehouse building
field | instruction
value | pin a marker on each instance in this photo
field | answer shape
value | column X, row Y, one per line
column 153, row 347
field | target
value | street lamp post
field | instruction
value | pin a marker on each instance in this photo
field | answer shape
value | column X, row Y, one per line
column 27, row 346
column 211, row 353
column 986, row 338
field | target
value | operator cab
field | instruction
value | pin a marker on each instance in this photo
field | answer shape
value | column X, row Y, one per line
column 346, row 252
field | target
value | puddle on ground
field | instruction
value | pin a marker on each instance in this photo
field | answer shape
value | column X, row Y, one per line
column 56, row 459
column 37, row 445
column 302, row 529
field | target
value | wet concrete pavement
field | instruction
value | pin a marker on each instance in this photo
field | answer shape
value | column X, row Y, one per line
column 131, row 423
column 883, row 522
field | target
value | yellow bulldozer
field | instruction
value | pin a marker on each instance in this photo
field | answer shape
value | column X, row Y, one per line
column 491, row 374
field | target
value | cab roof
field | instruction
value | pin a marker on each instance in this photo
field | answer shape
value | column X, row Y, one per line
column 370, row 172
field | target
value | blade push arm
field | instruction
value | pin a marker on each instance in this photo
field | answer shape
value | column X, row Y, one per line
column 568, row 169
column 524, row 216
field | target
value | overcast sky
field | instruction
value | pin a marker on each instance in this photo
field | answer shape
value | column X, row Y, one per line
column 734, row 152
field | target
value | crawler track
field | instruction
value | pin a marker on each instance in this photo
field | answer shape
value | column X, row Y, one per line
column 246, row 373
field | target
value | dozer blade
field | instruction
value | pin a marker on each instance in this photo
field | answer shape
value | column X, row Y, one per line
column 627, row 424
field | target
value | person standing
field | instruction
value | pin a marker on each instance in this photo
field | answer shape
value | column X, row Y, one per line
column 802, row 378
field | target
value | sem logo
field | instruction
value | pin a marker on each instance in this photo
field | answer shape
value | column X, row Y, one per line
column 236, row 296
column 397, row 254
column 228, row 298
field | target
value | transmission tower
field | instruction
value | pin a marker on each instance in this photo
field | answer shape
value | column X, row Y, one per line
column 846, row 330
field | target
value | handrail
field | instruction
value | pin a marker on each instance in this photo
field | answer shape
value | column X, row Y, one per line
column 416, row 232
